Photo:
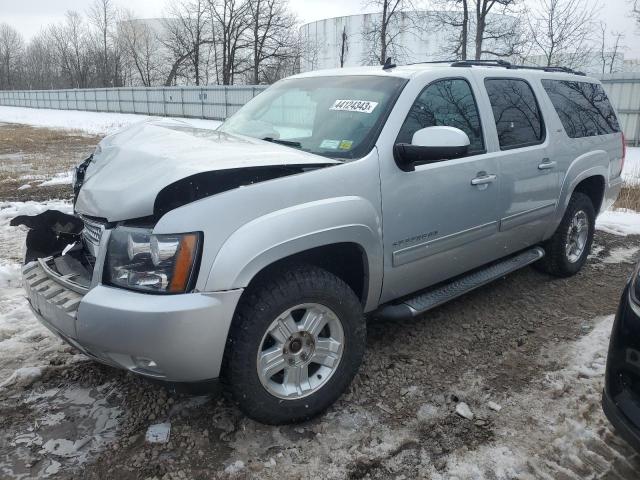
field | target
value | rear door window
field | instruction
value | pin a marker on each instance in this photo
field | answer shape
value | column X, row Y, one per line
column 450, row 103
column 583, row 108
column 516, row 112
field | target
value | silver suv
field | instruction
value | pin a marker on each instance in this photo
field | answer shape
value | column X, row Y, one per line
column 254, row 252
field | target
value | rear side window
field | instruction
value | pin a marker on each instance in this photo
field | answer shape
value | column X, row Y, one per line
column 583, row 108
column 516, row 112
column 449, row 103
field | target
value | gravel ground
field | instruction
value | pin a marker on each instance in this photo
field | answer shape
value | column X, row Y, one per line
column 531, row 344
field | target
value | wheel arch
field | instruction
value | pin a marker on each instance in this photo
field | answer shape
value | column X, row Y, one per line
column 340, row 235
column 590, row 181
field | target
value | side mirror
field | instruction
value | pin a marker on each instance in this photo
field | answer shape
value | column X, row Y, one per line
column 429, row 145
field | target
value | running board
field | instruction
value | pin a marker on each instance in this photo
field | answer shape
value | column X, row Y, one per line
column 426, row 300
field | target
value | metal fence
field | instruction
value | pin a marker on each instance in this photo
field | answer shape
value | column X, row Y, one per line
column 624, row 91
column 211, row 102
column 219, row 102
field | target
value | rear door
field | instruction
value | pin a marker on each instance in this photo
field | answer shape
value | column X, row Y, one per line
column 530, row 180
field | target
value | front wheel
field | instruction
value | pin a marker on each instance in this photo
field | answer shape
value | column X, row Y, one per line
column 567, row 250
column 295, row 344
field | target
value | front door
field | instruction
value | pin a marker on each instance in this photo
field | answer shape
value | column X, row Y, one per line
column 441, row 219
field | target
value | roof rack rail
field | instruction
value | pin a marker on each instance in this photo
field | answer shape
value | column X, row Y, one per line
column 508, row 65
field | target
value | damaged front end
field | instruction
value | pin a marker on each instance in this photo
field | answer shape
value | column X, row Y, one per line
column 58, row 269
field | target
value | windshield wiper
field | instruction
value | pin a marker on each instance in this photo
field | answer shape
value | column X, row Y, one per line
column 288, row 143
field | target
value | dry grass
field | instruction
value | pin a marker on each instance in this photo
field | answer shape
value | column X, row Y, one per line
column 629, row 197
column 30, row 155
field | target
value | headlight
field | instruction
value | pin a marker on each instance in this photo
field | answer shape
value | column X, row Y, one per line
column 140, row 260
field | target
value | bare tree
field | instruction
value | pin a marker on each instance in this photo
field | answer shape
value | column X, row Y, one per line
column 385, row 28
column 11, row 51
column 270, row 32
column 188, row 29
column 490, row 27
column 70, row 42
column 563, row 30
column 231, row 21
column 609, row 51
column 102, row 16
column 309, row 50
column 451, row 18
column 142, row 49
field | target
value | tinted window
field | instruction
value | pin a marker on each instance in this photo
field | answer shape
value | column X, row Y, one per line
column 515, row 110
column 583, row 108
column 445, row 103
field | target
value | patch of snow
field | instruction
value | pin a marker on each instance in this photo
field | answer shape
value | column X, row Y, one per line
column 545, row 424
column 92, row 123
column 631, row 171
column 10, row 275
column 619, row 222
column 63, row 178
column 23, row 377
column 464, row 411
column 427, row 412
column 24, row 187
column 621, row 255
column 234, row 467
column 494, row 406
column 158, row 433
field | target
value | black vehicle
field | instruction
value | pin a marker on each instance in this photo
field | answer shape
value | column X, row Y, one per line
column 621, row 397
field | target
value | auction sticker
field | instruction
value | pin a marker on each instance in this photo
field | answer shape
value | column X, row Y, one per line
column 330, row 144
column 362, row 106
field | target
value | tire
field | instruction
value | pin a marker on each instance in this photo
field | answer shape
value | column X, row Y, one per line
column 559, row 261
column 256, row 349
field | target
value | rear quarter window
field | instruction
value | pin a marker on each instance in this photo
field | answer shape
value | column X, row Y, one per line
column 583, row 108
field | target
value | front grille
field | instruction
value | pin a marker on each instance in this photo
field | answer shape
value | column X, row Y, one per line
column 92, row 231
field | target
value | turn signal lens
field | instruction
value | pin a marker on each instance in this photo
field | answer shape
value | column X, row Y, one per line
column 184, row 262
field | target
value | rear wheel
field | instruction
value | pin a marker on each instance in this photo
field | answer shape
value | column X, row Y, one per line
column 567, row 250
column 296, row 342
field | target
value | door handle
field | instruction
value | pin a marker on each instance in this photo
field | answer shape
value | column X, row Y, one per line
column 547, row 164
column 484, row 179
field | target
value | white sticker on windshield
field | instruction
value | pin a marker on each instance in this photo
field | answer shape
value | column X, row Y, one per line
column 330, row 144
column 362, row 106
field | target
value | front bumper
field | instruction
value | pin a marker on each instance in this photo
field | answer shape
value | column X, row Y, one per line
column 621, row 396
column 179, row 338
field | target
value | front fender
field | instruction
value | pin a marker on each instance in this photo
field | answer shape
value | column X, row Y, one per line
column 292, row 230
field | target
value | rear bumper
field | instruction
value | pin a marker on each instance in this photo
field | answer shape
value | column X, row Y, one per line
column 611, row 194
column 179, row 338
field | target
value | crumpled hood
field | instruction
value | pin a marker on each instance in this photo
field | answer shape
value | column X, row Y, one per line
column 131, row 167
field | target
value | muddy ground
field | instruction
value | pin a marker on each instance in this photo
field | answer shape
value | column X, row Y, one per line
column 525, row 342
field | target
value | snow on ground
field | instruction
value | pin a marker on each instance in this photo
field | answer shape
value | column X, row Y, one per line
column 621, row 255
column 552, row 429
column 24, row 342
column 631, row 171
column 93, row 123
column 63, row 178
column 619, row 222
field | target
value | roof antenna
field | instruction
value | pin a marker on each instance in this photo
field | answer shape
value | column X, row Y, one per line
column 388, row 65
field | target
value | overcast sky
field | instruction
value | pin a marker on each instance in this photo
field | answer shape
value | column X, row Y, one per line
column 29, row 16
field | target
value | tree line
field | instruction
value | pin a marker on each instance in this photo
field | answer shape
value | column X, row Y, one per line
column 551, row 32
column 197, row 42
column 227, row 42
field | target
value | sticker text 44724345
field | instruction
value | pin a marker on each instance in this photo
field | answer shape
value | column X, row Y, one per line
column 362, row 106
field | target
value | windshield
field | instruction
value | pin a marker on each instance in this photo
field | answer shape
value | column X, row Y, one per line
column 338, row 117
